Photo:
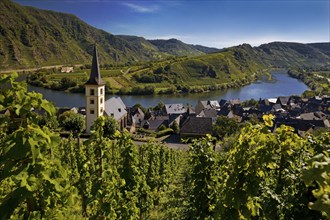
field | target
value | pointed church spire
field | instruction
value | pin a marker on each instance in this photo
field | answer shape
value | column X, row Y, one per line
column 95, row 76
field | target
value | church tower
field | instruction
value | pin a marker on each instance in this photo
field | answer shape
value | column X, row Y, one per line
column 95, row 93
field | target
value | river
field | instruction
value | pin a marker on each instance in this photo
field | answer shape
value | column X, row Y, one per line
column 280, row 85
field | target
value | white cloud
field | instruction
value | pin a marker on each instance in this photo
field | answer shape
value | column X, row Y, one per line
column 141, row 9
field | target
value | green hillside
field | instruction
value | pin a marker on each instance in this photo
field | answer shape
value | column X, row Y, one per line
column 285, row 54
column 232, row 67
column 31, row 37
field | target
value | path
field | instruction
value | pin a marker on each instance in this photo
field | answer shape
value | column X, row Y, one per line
column 34, row 69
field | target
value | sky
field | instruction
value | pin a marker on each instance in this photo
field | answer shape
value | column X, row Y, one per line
column 216, row 23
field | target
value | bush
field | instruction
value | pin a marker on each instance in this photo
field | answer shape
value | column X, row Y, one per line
column 164, row 132
column 161, row 128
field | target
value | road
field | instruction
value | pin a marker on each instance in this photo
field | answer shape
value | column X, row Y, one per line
column 34, row 69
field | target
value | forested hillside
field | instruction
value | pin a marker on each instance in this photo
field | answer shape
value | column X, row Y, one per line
column 285, row 54
column 255, row 174
column 31, row 37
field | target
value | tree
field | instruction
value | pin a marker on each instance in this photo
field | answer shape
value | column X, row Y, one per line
column 105, row 125
column 175, row 127
column 159, row 107
column 73, row 122
column 225, row 126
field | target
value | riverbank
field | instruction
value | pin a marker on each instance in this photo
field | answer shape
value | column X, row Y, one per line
column 281, row 84
column 74, row 83
column 317, row 80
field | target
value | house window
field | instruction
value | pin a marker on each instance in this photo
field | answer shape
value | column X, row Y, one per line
column 92, row 111
column 101, row 101
column 101, row 110
column 91, row 101
column 92, row 91
column 101, row 91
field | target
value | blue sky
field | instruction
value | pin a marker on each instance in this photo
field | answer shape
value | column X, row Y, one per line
column 217, row 23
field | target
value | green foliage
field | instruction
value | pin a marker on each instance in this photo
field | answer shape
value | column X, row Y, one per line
column 73, row 122
column 38, row 182
column 175, row 127
column 164, row 132
column 317, row 79
column 161, row 127
column 106, row 126
column 203, row 179
column 225, row 126
column 317, row 173
column 262, row 176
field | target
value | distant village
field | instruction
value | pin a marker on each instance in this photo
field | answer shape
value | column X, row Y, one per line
column 304, row 115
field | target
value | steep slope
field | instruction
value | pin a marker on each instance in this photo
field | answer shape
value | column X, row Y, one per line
column 285, row 54
column 324, row 47
column 31, row 37
column 232, row 67
column 206, row 49
column 171, row 46
column 175, row 47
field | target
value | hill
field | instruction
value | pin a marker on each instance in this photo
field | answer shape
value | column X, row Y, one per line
column 31, row 37
column 169, row 47
column 232, row 67
column 324, row 47
column 286, row 54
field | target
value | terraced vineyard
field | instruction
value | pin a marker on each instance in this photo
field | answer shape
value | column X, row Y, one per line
column 234, row 67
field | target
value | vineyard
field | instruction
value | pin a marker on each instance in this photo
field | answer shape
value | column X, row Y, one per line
column 261, row 175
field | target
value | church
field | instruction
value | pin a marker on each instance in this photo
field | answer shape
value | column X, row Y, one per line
column 96, row 105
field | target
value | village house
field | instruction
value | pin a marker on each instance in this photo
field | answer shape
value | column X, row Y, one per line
column 116, row 108
column 67, row 69
column 137, row 117
column 209, row 104
column 195, row 127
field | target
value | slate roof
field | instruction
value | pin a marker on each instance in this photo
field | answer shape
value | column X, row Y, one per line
column 222, row 102
column 265, row 108
column 312, row 116
column 138, row 111
column 175, row 109
column 191, row 111
column 224, row 111
column 95, row 76
column 235, row 101
column 115, row 107
column 154, row 123
column 210, row 104
column 283, row 100
column 197, row 126
column 208, row 113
